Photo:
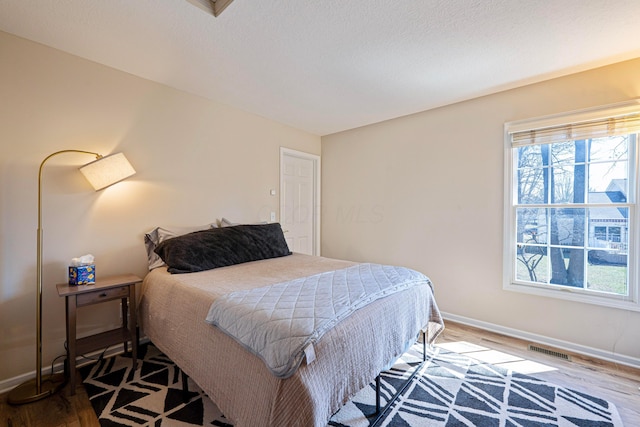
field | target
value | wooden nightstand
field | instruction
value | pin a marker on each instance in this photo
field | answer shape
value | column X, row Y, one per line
column 105, row 289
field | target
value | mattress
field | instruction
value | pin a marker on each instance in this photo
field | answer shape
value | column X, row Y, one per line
column 173, row 308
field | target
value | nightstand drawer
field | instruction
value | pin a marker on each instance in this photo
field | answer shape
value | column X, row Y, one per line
column 102, row 295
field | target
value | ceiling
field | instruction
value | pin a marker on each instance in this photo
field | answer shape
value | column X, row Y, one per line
column 327, row 66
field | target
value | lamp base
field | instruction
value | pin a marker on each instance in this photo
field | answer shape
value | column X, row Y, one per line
column 27, row 392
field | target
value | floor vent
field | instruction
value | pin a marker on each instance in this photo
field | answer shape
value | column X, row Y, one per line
column 549, row 352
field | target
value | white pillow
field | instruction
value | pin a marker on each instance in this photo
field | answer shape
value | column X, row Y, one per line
column 159, row 234
column 224, row 222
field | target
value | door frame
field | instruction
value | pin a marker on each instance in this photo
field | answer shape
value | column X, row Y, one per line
column 288, row 152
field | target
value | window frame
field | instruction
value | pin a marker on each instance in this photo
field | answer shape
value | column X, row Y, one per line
column 510, row 283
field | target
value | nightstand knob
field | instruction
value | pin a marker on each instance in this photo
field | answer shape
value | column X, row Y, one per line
column 102, row 295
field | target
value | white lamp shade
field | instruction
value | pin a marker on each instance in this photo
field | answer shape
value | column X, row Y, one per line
column 107, row 170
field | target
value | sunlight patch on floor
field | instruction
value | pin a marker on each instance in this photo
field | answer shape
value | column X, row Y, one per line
column 524, row 366
column 461, row 347
column 495, row 357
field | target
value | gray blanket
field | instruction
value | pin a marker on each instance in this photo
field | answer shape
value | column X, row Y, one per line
column 280, row 323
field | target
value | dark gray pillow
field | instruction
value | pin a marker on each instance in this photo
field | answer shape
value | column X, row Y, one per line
column 159, row 234
column 220, row 247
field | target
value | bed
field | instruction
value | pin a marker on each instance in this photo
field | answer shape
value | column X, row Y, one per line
column 173, row 308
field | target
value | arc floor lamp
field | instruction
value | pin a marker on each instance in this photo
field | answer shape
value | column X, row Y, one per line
column 101, row 173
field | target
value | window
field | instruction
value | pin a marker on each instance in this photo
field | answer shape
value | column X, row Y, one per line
column 571, row 218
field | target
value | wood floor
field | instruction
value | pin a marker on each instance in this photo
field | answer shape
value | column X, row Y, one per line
column 618, row 384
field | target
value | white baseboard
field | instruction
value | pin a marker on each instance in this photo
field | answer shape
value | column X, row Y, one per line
column 11, row 383
column 541, row 339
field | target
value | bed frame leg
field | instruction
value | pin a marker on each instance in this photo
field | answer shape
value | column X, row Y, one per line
column 378, row 415
column 185, row 382
column 377, row 395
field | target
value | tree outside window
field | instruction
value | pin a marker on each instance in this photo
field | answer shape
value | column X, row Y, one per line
column 556, row 182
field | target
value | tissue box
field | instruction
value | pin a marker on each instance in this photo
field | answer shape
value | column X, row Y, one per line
column 82, row 275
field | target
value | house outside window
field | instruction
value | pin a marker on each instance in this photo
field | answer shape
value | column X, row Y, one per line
column 571, row 219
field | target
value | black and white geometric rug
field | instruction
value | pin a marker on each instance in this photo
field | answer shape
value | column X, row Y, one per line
column 452, row 389
column 449, row 390
column 150, row 396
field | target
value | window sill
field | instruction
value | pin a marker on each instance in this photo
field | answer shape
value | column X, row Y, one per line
column 613, row 301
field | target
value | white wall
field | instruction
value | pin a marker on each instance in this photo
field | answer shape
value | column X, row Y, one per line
column 196, row 161
column 426, row 191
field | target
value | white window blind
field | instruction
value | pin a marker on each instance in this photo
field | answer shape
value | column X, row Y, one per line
column 618, row 119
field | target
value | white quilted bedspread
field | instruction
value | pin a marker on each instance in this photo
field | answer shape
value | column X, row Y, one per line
column 280, row 322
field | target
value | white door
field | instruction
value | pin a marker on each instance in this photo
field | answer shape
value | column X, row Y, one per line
column 300, row 200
